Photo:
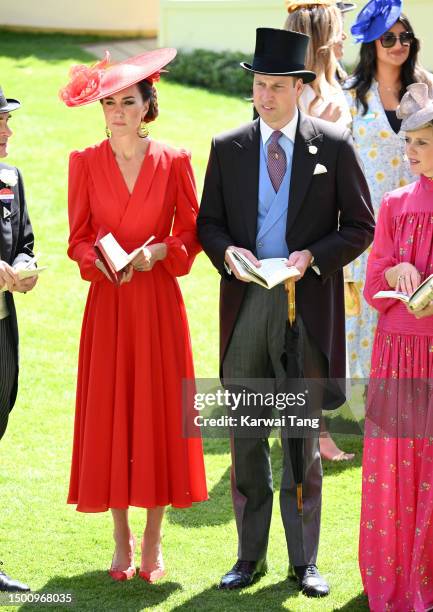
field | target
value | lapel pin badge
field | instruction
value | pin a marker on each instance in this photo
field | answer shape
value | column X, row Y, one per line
column 6, row 195
column 6, row 212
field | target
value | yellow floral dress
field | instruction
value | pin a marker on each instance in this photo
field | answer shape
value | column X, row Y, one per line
column 381, row 151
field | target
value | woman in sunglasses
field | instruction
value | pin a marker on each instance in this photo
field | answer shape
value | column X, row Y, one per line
column 388, row 64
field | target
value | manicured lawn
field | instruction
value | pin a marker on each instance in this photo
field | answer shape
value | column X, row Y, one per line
column 44, row 541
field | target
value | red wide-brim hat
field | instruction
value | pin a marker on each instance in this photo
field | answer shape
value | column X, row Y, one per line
column 90, row 83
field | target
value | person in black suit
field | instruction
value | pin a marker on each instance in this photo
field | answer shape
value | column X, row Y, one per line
column 284, row 185
column 16, row 250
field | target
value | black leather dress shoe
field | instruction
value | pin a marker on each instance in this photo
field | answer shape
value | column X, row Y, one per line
column 310, row 582
column 10, row 585
column 242, row 574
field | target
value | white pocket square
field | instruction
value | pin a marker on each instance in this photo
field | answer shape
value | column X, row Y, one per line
column 319, row 169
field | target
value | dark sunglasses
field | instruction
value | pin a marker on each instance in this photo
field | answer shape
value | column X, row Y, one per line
column 389, row 39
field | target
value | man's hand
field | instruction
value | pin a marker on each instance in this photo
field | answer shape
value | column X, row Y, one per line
column 247, row 254
column 26, row 284
column 8, row 276
column 301, row 260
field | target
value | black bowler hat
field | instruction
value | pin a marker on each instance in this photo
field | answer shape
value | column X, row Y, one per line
column 7, row 105
column 280, row 53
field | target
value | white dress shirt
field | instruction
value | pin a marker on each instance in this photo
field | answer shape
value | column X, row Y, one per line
column 288, row 130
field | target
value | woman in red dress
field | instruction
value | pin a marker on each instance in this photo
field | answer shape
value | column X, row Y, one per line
column 135, row 347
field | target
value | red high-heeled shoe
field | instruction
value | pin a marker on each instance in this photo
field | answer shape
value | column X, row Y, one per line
column 155, row 574
column 129, row 573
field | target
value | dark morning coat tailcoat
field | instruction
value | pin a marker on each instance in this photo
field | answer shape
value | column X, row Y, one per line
column 329, row 213
column 16, row 244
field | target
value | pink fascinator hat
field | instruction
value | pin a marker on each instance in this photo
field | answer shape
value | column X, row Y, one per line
column 416, row 107
column 90, row 83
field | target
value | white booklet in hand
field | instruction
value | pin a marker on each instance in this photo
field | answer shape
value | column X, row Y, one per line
column 26, row 270
column 114, row 258
column 419, row 299
column 272, row 271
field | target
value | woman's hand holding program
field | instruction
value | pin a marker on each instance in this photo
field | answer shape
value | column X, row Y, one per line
column 148, row 256
column 403, row 277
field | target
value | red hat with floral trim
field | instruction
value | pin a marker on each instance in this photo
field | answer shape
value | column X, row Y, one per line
column 90, row 83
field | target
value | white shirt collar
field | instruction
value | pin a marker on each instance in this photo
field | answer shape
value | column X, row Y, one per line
column 288, row 130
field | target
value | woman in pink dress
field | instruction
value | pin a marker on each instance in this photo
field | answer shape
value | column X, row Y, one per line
column 396, row 538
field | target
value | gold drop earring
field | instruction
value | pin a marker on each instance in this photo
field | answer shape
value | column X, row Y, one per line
column 143, row 130
column 107, row 132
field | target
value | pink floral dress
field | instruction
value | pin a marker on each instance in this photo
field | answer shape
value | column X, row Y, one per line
column 396, row 537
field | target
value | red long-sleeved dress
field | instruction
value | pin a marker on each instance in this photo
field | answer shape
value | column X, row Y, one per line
column 135, row 348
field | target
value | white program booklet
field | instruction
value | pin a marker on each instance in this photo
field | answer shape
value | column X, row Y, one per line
column 26, row 273
column 117, row 256
column 272, row 271
column 419, row 299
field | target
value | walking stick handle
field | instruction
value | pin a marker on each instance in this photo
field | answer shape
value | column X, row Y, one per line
column 289, row 286
column 300, row 503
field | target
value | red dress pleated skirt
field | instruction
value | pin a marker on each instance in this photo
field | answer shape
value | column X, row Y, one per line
column 129, row 448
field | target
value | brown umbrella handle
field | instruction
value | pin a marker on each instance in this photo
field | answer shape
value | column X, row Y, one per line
column 289, row 286
column 299, row 498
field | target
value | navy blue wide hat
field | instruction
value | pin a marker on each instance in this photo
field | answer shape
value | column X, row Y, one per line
column 280, row 53
column 376, row 18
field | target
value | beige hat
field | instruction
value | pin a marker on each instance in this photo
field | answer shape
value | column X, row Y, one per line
column 416, row 107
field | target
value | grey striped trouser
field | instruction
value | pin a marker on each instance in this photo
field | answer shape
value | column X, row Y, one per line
column 254, row 352
column 8, row 367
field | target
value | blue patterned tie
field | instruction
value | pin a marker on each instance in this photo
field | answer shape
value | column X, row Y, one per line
column 277, row 162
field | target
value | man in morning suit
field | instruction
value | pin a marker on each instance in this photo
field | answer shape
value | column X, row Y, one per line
column 16, row 250
column 284, row 185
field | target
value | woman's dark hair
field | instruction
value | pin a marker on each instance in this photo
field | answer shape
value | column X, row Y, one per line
column 148, row 92
column 365, row 71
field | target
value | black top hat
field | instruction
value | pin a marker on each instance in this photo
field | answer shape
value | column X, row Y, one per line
column 7, row 104
column 280, row 53
column 345, row 7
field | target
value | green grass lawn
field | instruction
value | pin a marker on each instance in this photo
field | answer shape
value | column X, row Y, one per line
column 44, row 541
